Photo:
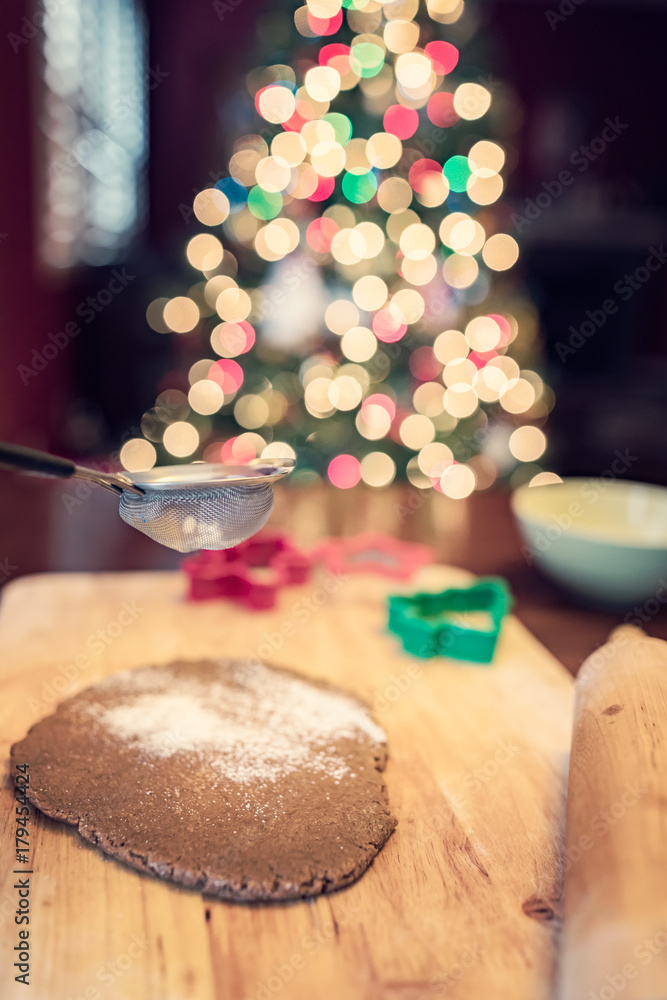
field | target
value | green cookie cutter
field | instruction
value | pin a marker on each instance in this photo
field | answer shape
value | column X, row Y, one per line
column 460, row 622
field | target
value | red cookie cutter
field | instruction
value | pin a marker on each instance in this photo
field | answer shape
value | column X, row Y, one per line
column 250, row 573
column 374, row 553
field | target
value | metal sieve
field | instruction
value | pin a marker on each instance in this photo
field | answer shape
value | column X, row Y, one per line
column 185, row 507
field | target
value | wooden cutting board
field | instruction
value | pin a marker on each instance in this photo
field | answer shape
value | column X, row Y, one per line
column 464, row 900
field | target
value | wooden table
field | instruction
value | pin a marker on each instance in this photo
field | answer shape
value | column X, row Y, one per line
column 39, row 531
column 464, row 900
column 491, row 875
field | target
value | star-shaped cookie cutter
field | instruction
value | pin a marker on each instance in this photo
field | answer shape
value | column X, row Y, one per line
column 460, row 622
column 373, row 552
column 251, row 573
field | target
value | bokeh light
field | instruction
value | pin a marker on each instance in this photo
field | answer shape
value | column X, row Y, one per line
column 204, row 251
column 471, row 101
column 500, row 252
column 378, row 469
column 211, row 207
column 457, row 481
column 181, row 439
column 350, row 296
column 138, row 455
column 545, row 479
column 344, row 471
column 206, row 396
column 181, row 314
column 527, row 443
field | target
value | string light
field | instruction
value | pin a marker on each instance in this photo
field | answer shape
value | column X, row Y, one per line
column 138, row 455
column 410, row 339
column 181, row 439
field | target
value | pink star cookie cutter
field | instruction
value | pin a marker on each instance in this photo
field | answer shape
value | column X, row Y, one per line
column 373, row 553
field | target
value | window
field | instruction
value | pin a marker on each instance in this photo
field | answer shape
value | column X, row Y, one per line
column 94, row 119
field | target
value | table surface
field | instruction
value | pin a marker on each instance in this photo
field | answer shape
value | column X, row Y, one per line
column 468, row 887
column 49, row 526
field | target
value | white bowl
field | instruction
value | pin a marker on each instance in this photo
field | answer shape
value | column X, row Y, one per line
column 603, row 539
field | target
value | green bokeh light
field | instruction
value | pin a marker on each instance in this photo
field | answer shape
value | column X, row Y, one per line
column 341, row 125
column 264, row 204
column 366, row 59
column 359, row 188
column 457, row 171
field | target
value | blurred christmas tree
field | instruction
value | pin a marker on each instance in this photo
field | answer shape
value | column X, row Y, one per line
column 354, row 301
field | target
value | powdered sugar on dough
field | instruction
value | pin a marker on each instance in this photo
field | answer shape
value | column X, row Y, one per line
column 253, row 725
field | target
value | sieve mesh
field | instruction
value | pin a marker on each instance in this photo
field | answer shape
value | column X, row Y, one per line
column 204, row 518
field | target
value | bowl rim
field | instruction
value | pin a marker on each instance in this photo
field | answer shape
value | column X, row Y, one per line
column 579, row 531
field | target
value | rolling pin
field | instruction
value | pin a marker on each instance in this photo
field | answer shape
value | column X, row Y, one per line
column 615, row 907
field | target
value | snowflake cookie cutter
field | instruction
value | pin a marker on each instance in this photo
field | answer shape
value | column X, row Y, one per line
column 373, row 552
column 251, row 573
column 461, row 622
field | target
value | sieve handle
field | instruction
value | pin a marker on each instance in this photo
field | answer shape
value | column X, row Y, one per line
column 37, row 463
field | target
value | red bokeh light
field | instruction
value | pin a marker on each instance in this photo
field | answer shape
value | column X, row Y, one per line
column 320, row 233
column 401, row 122
column 387, row 328
column 332, row 51
column 440, row 109
column 481, row 358
column 228, row 374
column 236, row 338
column 239, row 450
column 344, row 471
column 418, row 173
column 323, row 190
column 380, row 399
column 249, row 331
column 424, row 365
column 295, row 123
column 213, row 452
column 505, row 328
column 443, row 55
column 325, row 25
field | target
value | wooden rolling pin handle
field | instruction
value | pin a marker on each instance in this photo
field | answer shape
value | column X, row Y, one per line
column 615, row 906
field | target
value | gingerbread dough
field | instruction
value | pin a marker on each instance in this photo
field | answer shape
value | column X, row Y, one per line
column 239, row 779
